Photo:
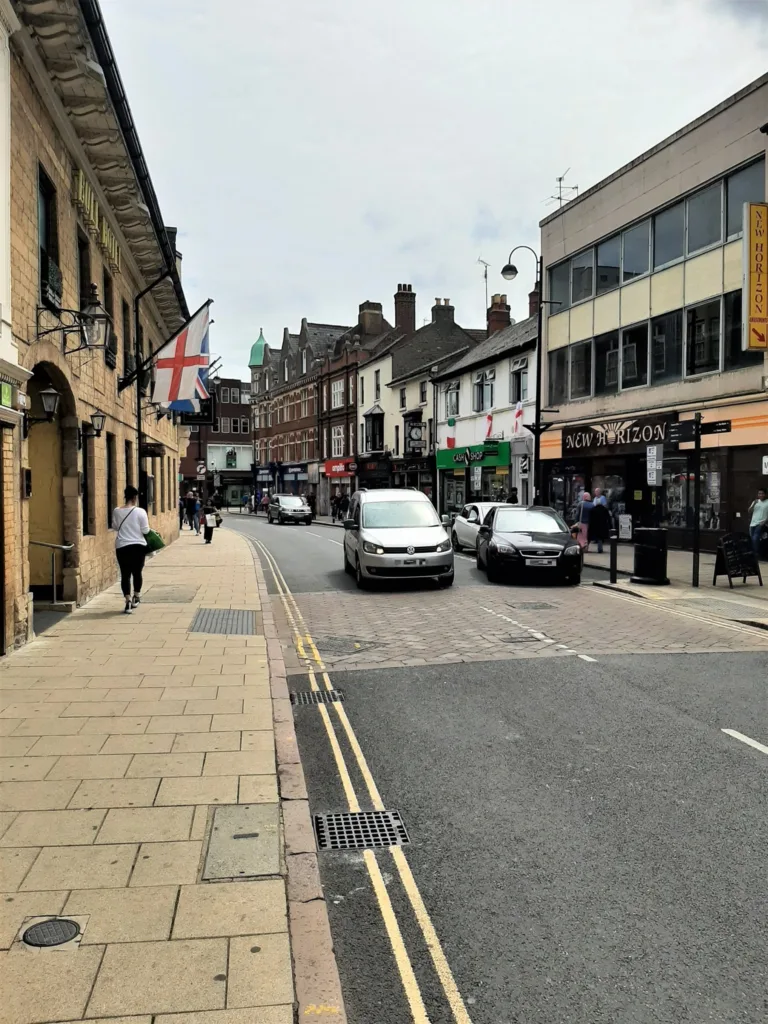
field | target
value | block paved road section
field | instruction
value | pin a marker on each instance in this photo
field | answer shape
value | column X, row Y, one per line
column 473, row 623
column 119, row 735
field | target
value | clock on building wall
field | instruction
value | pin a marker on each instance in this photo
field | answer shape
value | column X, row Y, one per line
column 415, row 438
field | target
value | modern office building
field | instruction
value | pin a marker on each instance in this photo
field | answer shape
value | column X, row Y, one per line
column 644, row 275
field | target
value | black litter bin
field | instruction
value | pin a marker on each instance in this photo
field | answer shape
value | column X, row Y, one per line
column 650, row 556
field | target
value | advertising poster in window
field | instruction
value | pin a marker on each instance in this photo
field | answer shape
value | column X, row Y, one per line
column 755, row 302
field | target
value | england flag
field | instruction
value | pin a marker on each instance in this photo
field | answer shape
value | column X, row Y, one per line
column 182, row 363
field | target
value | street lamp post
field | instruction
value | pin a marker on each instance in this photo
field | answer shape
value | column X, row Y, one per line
column 509, row 273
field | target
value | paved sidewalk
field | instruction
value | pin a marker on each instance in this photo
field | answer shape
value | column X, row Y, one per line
column 119, row 736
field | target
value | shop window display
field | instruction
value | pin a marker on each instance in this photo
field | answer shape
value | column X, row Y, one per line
column 678, row 493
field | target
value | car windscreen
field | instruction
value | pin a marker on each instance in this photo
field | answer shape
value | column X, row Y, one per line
column 392, row 515
column 292, row 502
column 510, row 520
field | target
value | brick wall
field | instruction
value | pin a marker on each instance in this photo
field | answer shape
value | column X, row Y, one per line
column 84, row 380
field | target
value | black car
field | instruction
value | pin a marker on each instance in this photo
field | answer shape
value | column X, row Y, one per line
column 514, row 539
column 288, row 508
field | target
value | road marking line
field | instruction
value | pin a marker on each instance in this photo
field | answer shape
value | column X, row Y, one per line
column 586, row 657
column 745, row 739
column 321, row 537
column 436, row 952
column 404, row 965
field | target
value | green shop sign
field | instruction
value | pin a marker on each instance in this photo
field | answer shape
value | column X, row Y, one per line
column 494, row 453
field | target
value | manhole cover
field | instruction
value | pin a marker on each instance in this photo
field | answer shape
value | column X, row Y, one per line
column 361, row 830
column 168, row 595
column 51, row 933
column 343, row 645
column 317, row 696
column 224, row 620
column 519, row 639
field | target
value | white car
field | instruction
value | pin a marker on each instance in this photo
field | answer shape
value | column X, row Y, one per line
column 468, row 522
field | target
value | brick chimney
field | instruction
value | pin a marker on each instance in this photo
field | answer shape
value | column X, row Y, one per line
column 498, row 314
column 405, row 309
column 370, row 318
column 533, row 301
column 442, row 312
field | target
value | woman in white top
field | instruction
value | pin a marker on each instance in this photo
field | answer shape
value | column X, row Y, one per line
column 131, row 524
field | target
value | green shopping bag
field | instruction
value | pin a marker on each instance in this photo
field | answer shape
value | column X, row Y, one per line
column 154, row 541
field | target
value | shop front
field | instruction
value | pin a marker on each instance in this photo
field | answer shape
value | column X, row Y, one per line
column 418, row 473
column 293, row 478
column 374, row 473
column 337, row 477
column 612, row 456
column 473, row 473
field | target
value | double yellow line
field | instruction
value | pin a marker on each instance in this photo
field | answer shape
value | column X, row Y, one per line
column 308, row 650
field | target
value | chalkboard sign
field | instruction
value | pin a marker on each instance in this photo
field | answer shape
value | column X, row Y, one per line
column 735, row 558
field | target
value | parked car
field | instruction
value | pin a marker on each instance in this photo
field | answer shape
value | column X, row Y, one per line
column 396, row 534
column 467, row 523
column 288, row 508
column 513, row 540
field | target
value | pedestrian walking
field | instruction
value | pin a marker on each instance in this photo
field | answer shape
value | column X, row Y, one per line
column 513, row 498
column 265, row 502
column 257, row 503
column 131, row 525
column 599, row 526
column 189, row 508
column 312, row 502
column 585, row 511
column 343, row 507
column 182, row 512
column 334, row 507
column 208, row 521
column 758, row 524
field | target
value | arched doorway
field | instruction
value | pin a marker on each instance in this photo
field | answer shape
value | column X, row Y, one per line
column 54, row 493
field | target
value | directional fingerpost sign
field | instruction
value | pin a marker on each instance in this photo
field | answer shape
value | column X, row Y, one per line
column 755, row 289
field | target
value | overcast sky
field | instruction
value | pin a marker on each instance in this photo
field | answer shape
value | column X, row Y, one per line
column 314, row 153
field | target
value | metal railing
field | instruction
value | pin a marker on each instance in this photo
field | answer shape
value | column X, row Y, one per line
column 54, row 548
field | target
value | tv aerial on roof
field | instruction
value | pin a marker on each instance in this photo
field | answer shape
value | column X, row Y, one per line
column 562, row 191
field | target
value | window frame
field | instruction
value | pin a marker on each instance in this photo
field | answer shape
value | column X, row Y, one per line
column 720, row 186
column 337, row 393
column 224, row 396
column 721, row 327
column 423, row 392
column 454, row 390
column 337, row 441
column 234, row 396
column 376, row 385
column 403, row 398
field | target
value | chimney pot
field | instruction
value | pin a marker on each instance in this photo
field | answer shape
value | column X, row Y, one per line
column 498, row 315
column 446, row 302
column 438, row 302
column 533, row 301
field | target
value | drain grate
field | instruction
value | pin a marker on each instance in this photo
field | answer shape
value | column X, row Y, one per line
column 361, row 830
column 343, row 645
column 317, row 696
column 224, row 620
column 51, row 933
column 527, row 639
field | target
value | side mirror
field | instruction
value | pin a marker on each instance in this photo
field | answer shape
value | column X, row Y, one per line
column 350, row 524
column 445, row 520
column 485, row 530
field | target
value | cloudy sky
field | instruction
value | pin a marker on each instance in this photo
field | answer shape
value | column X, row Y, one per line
column 314, row 153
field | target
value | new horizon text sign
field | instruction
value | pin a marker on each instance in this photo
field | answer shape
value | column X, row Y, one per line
column 613, row 436
column 755, row 288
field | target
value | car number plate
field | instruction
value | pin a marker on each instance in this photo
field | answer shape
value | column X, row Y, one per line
column 411, row 561
column 541, row 561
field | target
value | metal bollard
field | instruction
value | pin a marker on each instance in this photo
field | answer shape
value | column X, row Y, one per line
column 614, row 542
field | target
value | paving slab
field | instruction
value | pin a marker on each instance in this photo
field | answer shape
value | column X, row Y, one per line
column 167, row 863
column 160, row 977
column 35, row 796
column 91, row 766
column 53, row 828
column 145, row 825
column 205, row 741
column 81, row 867
column 259, row 971
column 16, row 907
column 15, row 865
column 115, row 793
column 47, row 986
column 236, row 909
column 251, row 1015
column 124, row 915
column 215, row 789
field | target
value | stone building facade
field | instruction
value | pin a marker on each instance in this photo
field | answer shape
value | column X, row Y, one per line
column 83, row 213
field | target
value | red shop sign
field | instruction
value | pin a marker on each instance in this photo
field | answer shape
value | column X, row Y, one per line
column 340, row 467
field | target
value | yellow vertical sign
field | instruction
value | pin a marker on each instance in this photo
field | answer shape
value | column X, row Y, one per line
column 755, row 295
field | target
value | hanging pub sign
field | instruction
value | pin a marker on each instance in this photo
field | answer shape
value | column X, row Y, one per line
column 616, row 436
column 736, row 559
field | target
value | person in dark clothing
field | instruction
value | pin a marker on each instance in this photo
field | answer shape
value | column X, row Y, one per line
column 312, row 502
column 513, row 498
column 599, row 526
column 209, row 521
column 190, row 506
column 182, row 513
column 343, row 507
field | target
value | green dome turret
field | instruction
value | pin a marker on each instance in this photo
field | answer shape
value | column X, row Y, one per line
column 257, row 350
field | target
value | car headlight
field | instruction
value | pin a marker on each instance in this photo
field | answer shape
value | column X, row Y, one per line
column 444, row 546
column 573, row 549
column 504, row 547
column 372, row 549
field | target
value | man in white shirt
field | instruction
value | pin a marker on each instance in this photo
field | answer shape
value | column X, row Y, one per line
column 759, row 520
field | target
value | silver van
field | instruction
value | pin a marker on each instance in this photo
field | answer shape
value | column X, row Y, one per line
column 396, row 534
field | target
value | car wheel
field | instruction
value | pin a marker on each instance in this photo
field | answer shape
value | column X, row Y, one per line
column 446, row 581
column 361, row 581
column 307, row 522
column 347, row 563
column 269, row 518
column 455, row 542
column 574, row 579
column 494, row 576
column 280, row 521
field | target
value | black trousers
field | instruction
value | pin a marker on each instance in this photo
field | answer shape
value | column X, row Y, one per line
column 208, row 534
column 131, row 561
